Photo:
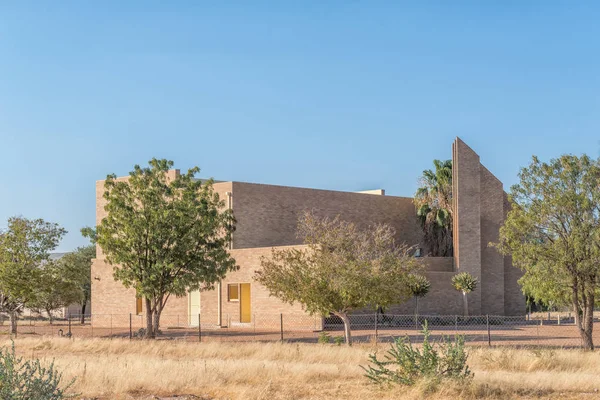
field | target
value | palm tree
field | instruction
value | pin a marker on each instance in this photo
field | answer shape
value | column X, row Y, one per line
column 419, row 286
column 465, row 283
column 433, row 202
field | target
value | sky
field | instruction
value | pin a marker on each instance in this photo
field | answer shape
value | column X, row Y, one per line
column 339, row 95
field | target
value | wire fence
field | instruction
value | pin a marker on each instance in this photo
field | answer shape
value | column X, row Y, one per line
column 545, row 330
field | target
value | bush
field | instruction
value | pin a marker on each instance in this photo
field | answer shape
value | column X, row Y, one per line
column 324, row 337
column 24, row 380
column 339, row 340
column 405, row 365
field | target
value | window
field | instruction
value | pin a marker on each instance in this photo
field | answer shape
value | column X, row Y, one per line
column 233, row 292
column 138, row 305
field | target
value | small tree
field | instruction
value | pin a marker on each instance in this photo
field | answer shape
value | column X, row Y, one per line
column 552, row 233
column 419, row 286
column 76, row 269
column 24, row 246
column 342, row 269
column 465, row 283
column 53, row 289
column 165, row 236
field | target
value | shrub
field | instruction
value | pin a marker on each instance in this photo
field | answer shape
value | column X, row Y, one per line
column 324, row 337
column 338, row 340
column 405, row 365
column 27, row 379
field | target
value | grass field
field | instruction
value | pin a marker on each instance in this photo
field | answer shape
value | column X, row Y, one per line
column 120, row 369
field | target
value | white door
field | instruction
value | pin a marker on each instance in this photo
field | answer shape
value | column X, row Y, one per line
column 194, row 302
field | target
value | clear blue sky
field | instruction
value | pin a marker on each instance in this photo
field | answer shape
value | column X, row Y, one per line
column 345, row 96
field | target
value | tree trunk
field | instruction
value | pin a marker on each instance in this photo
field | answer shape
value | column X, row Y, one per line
column 149, row 325
column 13, row 322
column 156, row 326
column 50, row 317
column 347, row 329
column 417, row 306
column 585, row 321
column 83, row 305
column 465, row 304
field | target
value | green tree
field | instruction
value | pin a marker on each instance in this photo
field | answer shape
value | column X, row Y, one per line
column 54, row 290
column 24, row 246
column 552, row 233
column 419, row 286
column 342, row 268
column 165, row 236
column 433, row 202
column 464, row 283
column 66, row 281
column 76, row 268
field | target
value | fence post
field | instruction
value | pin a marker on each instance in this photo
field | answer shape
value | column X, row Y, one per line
column 130, row 327
column 281, row 326
column 199, row 330
column 376, row 325
column 69, row 316
column 487, row 321
column 456, row 323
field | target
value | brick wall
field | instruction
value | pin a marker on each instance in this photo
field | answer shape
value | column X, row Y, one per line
column 480, row 207
column 492, row 262
column 467, row 216
column 267, row 215
column 438, row 264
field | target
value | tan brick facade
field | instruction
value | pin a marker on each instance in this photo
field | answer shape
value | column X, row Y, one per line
column 480, row 206
column 267, row 216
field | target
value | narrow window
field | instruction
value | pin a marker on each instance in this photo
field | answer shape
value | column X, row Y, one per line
column 138, row 305
column 233, row 292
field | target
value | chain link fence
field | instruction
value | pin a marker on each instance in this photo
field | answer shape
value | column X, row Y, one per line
column 546, row 330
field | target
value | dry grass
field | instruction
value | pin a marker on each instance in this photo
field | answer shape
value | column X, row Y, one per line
column 119, row 369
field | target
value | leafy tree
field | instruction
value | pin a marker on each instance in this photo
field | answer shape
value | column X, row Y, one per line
column 24, row 246
column 552, row 233
column 465, row 283
column 53, row 289
column 433, row 202
column 76, row 269
column 65, row 281
column 164, row 236
column 419, row 286
column 90, row 233
column 341, row 269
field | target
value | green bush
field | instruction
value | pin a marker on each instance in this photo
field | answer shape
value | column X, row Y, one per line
column 339, row 340
column 324, row 338
column 28, row 380
column 405, row 365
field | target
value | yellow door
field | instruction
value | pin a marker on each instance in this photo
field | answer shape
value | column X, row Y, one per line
column 194, row 310
column 245, row 311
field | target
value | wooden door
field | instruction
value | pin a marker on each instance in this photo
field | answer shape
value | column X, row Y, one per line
column 245, row 300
